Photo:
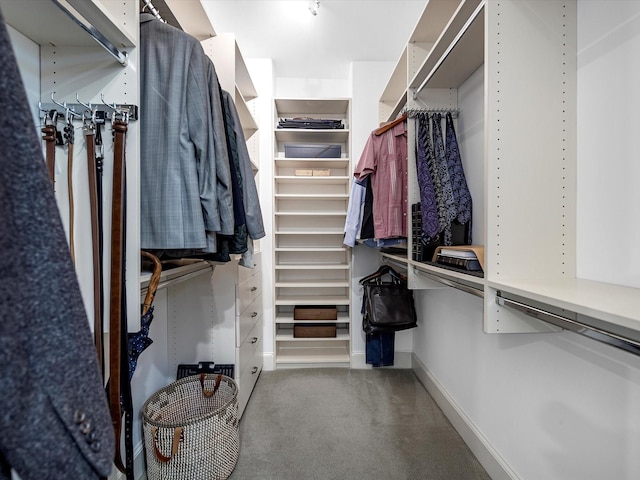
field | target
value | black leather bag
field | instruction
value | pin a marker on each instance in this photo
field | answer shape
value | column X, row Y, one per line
column 388, row 305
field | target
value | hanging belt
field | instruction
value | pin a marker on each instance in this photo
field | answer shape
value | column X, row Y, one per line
column 89, row 129
column 69, row 136
column 49, row 136
column 117, row 319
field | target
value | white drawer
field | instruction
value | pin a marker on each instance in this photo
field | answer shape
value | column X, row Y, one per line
column 248, row 347
column 244, row 273
column 248, row 378
column 247, row 292
column 247, row 319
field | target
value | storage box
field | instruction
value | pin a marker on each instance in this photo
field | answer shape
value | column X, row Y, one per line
column 314, row 331
column 321, row 172
column 312, row 312
column 316, row 150
column 303, row 172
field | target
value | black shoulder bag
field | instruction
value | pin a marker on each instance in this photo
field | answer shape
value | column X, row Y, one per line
column 388, row 305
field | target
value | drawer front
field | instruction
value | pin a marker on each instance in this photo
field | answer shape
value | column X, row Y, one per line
column 244, row 273
column 248, row 347
column 248, row 378
column 247, row 319
column 247, row 292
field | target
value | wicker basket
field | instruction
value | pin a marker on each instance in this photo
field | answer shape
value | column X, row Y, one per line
column 191, row 429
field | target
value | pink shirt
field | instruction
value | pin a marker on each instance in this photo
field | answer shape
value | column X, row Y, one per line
column 384, row 159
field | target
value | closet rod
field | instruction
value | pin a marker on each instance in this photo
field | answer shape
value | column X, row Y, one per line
column 121, row 57
column 412, row 112
column 450, row 283
column 154, row 11
column 624, row 342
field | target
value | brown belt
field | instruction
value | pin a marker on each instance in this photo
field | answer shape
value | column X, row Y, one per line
column 117, row 297
column 49, row 136
column 89, row 129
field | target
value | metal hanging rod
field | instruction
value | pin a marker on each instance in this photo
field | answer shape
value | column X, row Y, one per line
column 121, row 56
column 412, row 112
column 625, row 340
column 154, row 11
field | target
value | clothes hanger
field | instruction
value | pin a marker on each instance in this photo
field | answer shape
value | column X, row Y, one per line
column 389, row 126
column 383, row 270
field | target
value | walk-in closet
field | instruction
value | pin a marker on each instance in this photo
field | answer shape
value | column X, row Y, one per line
column 203, row 203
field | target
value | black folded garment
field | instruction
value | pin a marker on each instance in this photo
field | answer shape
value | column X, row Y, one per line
column 310, row 123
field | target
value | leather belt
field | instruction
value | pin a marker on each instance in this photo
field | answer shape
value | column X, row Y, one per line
column 49, row 136
column 117, row 317
column 89, row 129
column 69, row 137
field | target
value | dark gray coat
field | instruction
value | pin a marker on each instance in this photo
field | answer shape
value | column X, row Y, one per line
column 54, row 419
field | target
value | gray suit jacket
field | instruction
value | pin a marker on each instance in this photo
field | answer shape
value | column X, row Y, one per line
column 54, row 419
column 185, row 187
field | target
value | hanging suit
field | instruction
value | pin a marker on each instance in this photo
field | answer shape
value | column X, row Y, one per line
column 185, row 181
column 54, row 418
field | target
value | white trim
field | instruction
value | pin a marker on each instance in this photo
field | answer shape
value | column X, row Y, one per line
column 487, row 455
column 401, row 360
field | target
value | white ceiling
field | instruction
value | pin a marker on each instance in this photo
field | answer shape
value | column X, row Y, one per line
column 305, row 46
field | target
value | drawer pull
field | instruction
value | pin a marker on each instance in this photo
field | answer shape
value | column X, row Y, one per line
column 253, row 289
column 254, row 370
column 254, row 314
column 254, row 340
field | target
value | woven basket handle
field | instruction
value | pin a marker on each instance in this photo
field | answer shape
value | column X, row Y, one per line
column 209, row 393
column 153, row 283
column 177, row 436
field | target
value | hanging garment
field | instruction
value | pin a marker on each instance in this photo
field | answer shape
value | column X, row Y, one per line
column 185, row 181
column 461, row 194
column 447, row 209
column 384, row 160
column 428, row 200
column 250, row 198
column 380, row 349
column 53, row 410
column 366, row 230
column 354, row 213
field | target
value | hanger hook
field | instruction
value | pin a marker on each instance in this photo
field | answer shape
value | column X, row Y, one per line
column 87, row 106
column 63, row 105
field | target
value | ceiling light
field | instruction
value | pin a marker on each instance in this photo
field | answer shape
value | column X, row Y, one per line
column 314, row 7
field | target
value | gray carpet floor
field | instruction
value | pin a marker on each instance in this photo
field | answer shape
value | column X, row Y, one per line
column 325, row 424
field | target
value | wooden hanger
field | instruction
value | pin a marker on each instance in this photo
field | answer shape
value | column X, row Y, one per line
column 389, row 126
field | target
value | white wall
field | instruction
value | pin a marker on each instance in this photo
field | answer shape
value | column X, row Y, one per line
column 368, row 80
column 608, row 125
column 559, row 406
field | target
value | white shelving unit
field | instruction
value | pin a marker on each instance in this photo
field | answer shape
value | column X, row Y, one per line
column 515, row 84
column 311, row 265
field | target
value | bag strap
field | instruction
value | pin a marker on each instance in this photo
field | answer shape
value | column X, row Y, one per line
column 177, row 437
column 209, row 393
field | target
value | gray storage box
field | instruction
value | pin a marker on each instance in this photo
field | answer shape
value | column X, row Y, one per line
column 317, row 150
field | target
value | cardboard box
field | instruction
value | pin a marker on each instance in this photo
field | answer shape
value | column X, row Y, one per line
column 321, row 172
column 314, row 331
column 312, row 312
column 300, row 172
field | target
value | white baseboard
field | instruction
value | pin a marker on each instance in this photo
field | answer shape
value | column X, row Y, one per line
column 401, row 360
column 489, row 458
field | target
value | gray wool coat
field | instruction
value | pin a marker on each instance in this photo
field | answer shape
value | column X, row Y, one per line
column 54, row 418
